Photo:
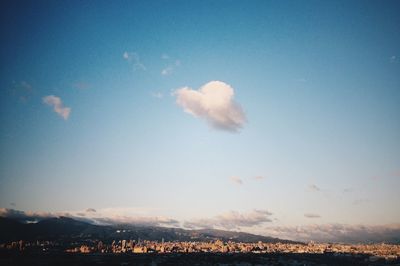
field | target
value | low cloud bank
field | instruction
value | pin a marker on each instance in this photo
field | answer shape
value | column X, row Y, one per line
column 254, row 220
column 335, row 233
column 101, row 217
column 231, row 220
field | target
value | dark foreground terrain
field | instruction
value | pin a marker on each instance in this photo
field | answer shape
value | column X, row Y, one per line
column 10, row 258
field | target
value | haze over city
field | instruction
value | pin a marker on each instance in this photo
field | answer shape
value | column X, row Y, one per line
column 279, row 118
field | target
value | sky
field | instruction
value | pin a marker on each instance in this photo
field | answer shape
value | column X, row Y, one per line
column 272, row 117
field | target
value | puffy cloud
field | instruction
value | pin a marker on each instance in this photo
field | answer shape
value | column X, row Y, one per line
column 236, row 180
column 57, row 105
column 343, row 233
column 312, row 215
column 134, row 59
column 214, row 103
column 231, row 220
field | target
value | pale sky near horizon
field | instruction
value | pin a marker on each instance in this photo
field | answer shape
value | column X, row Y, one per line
column 101, row 108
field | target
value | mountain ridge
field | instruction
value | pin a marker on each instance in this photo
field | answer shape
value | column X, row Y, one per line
column 68, row 228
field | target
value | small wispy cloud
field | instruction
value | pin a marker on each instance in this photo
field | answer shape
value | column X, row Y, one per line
column 360, row 201
column 23, row 90
column 214, row 103
column 259, row 177
column 314, row 187
column 133, row 59
column 57, row 105
column 312, row 215
column 348, row 190
column 169, row 69
column 165, row 56
column 393, row 59
column 82, row 85
column 236, row 179
column 397, row 173
column 157, row 95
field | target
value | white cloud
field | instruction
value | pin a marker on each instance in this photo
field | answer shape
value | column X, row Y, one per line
column 232, row 220
column 214, row 103
column 236, row 180
column 57, row 105
column 134, row 59
column 312, row 215
column 337, row 233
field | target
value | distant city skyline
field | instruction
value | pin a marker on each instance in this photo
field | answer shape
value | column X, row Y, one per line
column 272, row 117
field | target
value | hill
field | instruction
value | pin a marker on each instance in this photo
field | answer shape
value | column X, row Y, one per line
column 68, row 228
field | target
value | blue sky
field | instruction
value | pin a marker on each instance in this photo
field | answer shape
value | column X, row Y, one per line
column 318, row 84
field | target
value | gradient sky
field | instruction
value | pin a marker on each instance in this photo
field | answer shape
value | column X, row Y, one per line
column 318, row 81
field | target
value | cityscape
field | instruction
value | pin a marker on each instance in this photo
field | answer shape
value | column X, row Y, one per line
column 372, row 254
column 375, row 251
